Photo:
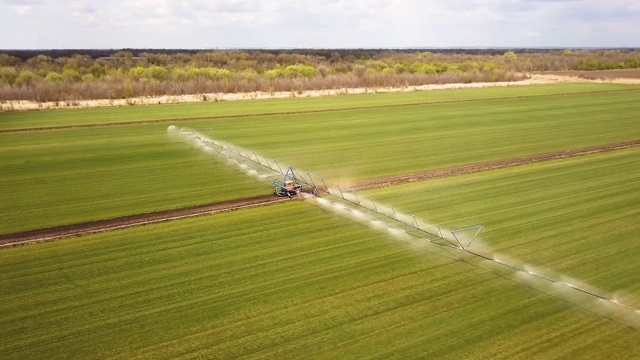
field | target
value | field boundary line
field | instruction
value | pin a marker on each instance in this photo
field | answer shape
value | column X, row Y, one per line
column 75, row 230
column 318, row 111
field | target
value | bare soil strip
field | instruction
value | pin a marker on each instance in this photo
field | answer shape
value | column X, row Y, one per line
column 134, row 220
column 207, row 209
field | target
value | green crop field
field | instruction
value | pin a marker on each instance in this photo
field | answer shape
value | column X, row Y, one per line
column 63, row 176
column 242, row 285
column 295, row 281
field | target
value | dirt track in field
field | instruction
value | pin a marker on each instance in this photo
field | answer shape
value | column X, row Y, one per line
column 134, row 220
column 489, row 165
column 208, row 209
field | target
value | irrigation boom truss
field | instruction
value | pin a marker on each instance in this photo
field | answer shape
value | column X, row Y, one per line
column 290, row 182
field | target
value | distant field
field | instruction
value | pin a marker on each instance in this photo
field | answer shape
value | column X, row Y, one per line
column 288, row 281
column 180, row 112
column 577, row 217
column 56, row 177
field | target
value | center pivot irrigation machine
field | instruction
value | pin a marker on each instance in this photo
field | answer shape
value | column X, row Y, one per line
column 291, row 185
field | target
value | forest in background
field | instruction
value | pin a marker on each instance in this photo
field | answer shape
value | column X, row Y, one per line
column 68, row 75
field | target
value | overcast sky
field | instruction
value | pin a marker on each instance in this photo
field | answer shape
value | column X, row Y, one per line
column 207, row 24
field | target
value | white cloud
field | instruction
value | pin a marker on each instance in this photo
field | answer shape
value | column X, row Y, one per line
column 23, row 7
column 84, row 12
column 22, row 10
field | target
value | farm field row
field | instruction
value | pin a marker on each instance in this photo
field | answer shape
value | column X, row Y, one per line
column 573, row 219
column 68, row 176
column 180, row 112
column 288, row 280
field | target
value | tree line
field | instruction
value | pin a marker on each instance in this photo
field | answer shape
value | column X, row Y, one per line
column 92, row 74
